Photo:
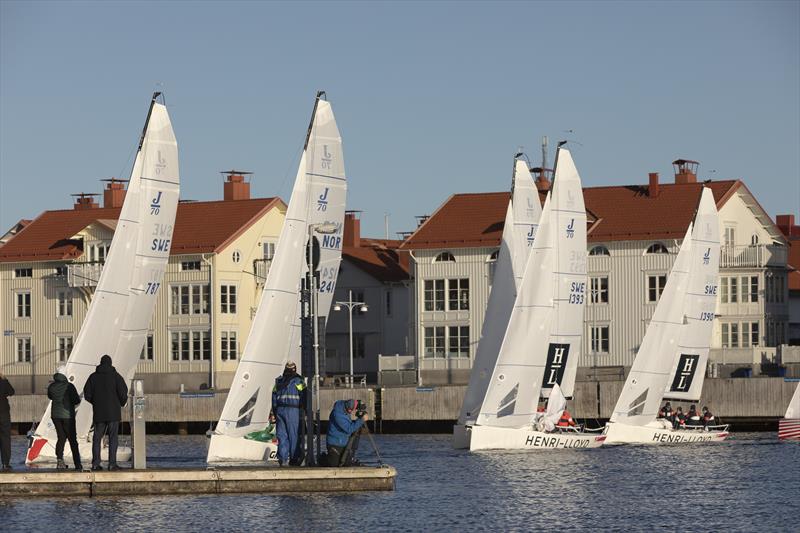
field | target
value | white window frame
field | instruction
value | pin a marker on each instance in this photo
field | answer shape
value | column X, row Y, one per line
column 24, row 272
column 228, row 298
column 600, row 341
column 460, row 334
column 64, row 346
column 193, row 345
column 597, row 291
column 437, row 348
column 437, row 293
column 64, row 303
column 461, row 287
column 148, row 349
column 189, row 266
column 659, row 287
column 197, row 299
column 229, row 345
column 23, row 349
column 23, row 309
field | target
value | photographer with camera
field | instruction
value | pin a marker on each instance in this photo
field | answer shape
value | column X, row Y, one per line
column 343, row 431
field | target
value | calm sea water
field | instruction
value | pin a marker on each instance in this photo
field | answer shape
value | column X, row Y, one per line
column 751, row 482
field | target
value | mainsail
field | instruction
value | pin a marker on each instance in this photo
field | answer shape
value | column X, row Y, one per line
column 118, row 317
column 541, row 341
column 318, row 197
column 519, row 230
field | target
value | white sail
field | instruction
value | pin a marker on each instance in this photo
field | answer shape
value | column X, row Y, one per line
column 519, row 230
column 640, row 399
column 119, row 314
column 539, row 341
column 700, row 303
column 556, row 404
column 318, row 197
column 793, row 411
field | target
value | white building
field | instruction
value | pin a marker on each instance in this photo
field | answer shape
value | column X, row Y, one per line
column 634, row 234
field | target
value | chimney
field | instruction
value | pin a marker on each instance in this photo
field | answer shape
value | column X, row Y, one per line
column 114, row 193
column 542, row 180
column 352, row 229
column 652, row 190
column 235, row 186
column 784, row 220
column 85, row 200
column 685, row 170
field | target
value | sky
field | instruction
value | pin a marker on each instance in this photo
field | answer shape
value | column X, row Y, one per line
column 431, row 98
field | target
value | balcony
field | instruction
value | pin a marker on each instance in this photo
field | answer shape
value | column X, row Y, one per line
column 260, row 270
column 84, row 274
column 753, row 256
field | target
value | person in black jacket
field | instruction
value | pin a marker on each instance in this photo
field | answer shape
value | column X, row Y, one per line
column 6, row 390
column 64, row 397
column 107, row 392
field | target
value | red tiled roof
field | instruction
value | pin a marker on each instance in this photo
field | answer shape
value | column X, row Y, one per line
column 200, row 227
column 379, row 258
column 614, row 213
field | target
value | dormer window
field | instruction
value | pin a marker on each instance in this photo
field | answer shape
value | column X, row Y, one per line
column 599, row 250
column 445, row 257
column 657, row 248
column 96, row 252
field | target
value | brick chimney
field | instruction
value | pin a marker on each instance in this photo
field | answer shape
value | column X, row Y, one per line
column 235, row 186
column 352, row 229
column 114, row 193
column 542, row 179
column 85, row 200
column 787, row 226
column 653, row 189
column 685, row 170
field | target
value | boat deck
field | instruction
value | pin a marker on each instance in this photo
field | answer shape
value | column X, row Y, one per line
column 196, row 481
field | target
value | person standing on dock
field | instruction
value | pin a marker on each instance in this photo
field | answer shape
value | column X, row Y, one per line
column 107, row 392
column 6, row 390
column 288, row 398
column 65, row 397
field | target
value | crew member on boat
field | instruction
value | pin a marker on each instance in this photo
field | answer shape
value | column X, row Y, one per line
column 679, row 419
column 566, row 420
column 708, row 417
column 693, row 418
column 288, row 398
column 666, row 412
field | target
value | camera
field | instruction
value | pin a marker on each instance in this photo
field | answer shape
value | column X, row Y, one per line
column 361, row 408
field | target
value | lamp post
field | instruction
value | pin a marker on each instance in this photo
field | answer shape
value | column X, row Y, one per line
column 350, row 304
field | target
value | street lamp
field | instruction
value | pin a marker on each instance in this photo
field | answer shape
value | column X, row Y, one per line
column 350, row 304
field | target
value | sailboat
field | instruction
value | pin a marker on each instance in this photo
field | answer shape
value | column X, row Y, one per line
column 519, row 230
column 672, row 358
column 119, row 315
column 318, row 200
column 539, row 353
column 789, row 425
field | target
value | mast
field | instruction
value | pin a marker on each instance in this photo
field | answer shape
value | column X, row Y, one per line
column 321, row 95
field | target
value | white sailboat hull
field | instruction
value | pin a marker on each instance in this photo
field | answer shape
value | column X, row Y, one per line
column 618, row 433
column 461, row 436
column 225, row 449
column 47, row 454
column 497, row 438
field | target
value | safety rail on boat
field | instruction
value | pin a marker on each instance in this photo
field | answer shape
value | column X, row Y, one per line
column 721, row 427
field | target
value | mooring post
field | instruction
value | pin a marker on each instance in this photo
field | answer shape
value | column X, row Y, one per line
column 138, row 429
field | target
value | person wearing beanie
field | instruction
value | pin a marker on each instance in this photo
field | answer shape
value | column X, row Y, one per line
column 64, row 397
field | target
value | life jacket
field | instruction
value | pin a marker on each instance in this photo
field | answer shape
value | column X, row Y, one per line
column 286, row 392
column 708, row 418
column 565, row 420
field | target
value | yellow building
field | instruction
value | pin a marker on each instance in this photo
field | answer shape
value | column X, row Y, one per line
column 220, row 255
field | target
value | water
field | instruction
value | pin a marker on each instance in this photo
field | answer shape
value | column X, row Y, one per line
column 751, row 482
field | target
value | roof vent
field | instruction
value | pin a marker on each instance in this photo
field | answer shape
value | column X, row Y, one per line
column 114, row 193
column 685, row 170
column 85, row 200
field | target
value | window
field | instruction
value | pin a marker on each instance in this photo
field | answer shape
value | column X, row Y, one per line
column 434, row 341
column 359, row 346
column 227, row 299
column 190, row 265
column 755, row 338
column 147, row 350
column 657, row 248
column 23, row 307
column 230, row 346
column 24, row 349
column 599, row 250
column 458, row 294
column 731, row 338
column 492, row 262
column 776, row 288
column 388, row 303
column 269, row 250
column 359, row 297
column 733, row 290
column 458, row 341
column 434, row 295
column 445, row 257
column 194, row 345
column 749, row 286
column 189, row 299
column 97, row 253
column 734, row 335
column 23, row 272
column 64, row 347
column 236, row 256
column 730, row 335
column 600, row 339
column 725, row 334
column 754, row 239
column 730, row 236
column 749, row 334
column 655, row 286
column 599, row 290
column 64, row 303
column 61, row 270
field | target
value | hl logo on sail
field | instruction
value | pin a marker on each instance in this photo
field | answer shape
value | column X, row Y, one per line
column 571, row 229
column 322, row 202
column 707, row 256
column 155, row 205
column 556, row 364
column 326, row 158
column 687, row 366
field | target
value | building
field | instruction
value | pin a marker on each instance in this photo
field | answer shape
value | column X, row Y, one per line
column 791, row 231
column 375, row 272
column 220, row 254
column 634, row 233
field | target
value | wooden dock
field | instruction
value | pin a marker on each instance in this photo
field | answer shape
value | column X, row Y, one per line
column 196, row 481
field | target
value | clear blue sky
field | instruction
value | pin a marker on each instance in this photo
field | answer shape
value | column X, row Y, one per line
column 431, row 98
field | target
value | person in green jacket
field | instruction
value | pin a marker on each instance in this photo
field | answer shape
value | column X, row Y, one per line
column 64, row 397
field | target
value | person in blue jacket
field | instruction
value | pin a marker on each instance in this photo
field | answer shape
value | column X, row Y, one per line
column 288, row 398
column 341, row 429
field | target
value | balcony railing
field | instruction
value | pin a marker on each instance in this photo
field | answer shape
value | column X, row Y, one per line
column 753, row 256
column 84, row 274
column 260, row 269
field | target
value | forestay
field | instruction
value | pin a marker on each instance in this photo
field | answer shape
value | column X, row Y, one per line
column 318, row 197
column 118, row 317
column 689, row 367
column 519, row 230
column 542, row 334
